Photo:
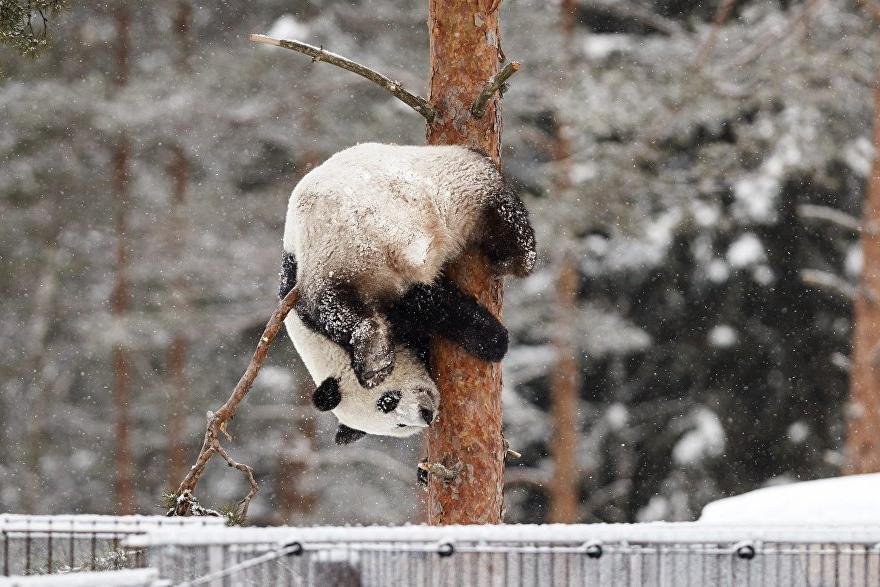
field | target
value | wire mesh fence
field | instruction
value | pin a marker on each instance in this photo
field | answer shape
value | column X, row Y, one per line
column 39, row 545
column 649, row 555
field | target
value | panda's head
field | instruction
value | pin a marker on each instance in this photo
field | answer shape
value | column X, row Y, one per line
column 405, row 403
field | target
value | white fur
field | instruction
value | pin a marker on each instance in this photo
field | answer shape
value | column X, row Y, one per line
column 323, row 358
column 386, row 216
column 382, row 217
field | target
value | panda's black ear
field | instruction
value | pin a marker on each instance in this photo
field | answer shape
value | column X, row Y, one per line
column 346, row 435
column 327, row 396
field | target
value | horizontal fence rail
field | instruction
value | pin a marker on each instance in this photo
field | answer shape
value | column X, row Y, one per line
column 612, row 555
column 40, row 545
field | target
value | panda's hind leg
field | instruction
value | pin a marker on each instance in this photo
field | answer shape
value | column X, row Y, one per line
column 510, row 238
column 444, row 309
column 338, row 312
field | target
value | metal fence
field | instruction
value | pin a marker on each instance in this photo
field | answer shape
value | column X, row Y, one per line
column 38, row 545
column 613, row 555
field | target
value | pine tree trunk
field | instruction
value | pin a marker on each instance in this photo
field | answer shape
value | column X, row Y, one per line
column 564, row 492
column 178, row 349
column 465, row 52
column 863, row 441
column 119, row 303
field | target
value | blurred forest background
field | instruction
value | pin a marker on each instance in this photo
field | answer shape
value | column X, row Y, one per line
column 693, row 170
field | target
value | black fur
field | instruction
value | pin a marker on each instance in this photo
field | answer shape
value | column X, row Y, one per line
column 510, row 244
column 346, row 435
column 339, row 313
column 288, row 274
column 442, row 308
column 327, row 396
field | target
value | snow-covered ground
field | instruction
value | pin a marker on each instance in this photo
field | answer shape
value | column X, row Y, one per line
column 851, row 500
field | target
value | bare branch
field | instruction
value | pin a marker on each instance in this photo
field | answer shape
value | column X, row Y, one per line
column 836, row 217
column 493, row 85
column 395, row 88
column 829, row 281
column 217, row 420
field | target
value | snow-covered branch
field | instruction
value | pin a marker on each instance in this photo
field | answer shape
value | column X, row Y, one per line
column 395, row 88
column 836, row 217
column 828, row 281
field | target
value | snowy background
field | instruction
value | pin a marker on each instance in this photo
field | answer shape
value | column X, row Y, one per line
column 708, row 367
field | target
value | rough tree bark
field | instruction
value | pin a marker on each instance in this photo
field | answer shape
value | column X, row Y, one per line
column 863, row 440
column 564, row 492
column 465, row 52
column 119, row 298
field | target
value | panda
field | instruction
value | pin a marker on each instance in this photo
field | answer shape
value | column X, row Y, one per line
column 366, row 238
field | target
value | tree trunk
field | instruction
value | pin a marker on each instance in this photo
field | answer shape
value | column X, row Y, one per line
column 863, row 441
column 124, row 486
column 464, row 53
column 564, row 491
column 178, row 349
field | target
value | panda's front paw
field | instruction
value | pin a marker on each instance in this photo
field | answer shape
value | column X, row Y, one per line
column 372, row 356
column 518, row 265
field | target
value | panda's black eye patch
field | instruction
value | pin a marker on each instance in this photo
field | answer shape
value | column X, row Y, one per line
column 388, row 402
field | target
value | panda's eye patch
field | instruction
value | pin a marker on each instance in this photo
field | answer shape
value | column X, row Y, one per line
column 388, row 402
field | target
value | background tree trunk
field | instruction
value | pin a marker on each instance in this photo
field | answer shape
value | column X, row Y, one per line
column 465, row 52
column 178, row 348
column 564, row 492
column 863, row 440
column 119, row 302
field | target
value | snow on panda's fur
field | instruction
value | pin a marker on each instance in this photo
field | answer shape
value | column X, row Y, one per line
column 367, row 235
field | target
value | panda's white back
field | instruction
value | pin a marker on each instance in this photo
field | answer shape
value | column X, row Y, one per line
column 383, row 217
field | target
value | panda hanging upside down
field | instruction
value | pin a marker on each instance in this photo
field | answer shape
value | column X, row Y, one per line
column 367, row 236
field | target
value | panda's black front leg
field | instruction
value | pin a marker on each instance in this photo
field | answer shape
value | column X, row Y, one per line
column 510, row 241
column 444, row 309
column 338, row 312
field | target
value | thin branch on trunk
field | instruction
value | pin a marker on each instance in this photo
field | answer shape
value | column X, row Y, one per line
column 217, row 420
column 493, row 85
column 835, row 217
column 395, row 88
column 830, row 282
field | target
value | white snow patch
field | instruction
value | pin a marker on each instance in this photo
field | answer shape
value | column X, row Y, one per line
column 746, row 250
column 706, row 439
column 718, row 271
column 723, row 336
column 798, row 431
column 287, row 26
column 278, row 378
column 835, row 501
column 859, row 155
column 756, row 197
column 763, row 274
column 617, row 416
column 854, row 261
column 601, row 46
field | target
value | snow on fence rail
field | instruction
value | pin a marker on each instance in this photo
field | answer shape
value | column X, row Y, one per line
column 49, row 544
column 662, row 554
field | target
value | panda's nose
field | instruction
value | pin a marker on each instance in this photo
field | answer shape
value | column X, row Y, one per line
column 427, row 415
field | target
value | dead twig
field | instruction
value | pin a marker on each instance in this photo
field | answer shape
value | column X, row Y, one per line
column 395, row 88
column 217, row 421
column 478, row 109
column 830, row 282
column 835, row 217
